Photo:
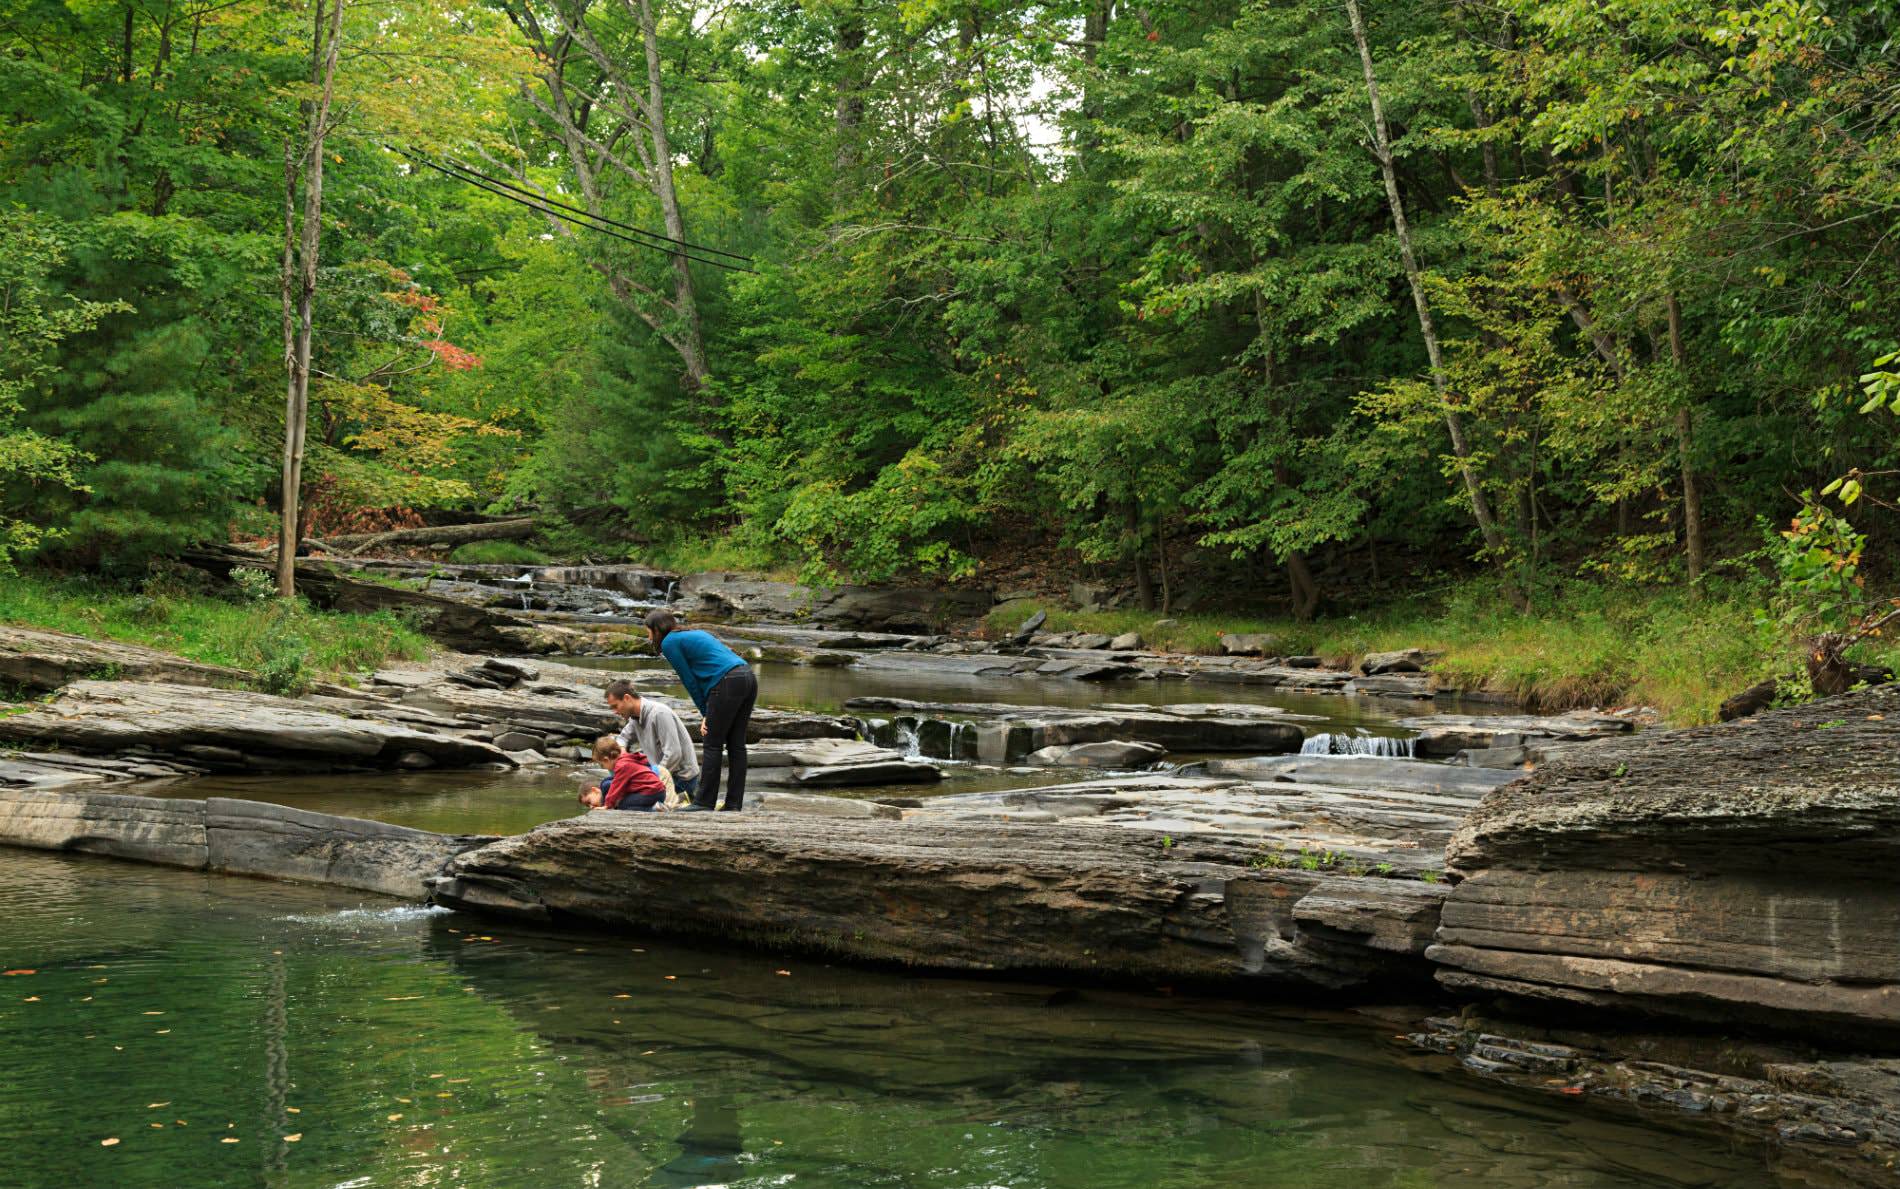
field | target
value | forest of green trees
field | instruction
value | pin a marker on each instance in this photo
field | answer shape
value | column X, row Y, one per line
column 1316, row 293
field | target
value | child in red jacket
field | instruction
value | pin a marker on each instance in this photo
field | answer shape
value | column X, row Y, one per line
column 633, row 784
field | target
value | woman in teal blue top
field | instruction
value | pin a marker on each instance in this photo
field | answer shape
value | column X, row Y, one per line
column 724, row 688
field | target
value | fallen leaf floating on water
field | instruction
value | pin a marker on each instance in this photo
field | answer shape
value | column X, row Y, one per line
column 107, row 1143
column 152, row 1106
column 784, row 973
column 11, row 973
column 154, row 1013
column 294, row 1110
column 229, row 1139
column 158, row 1126
column 406, row 1101
column 293, row 1137
column 623, row 995
column 162, row 1032
column 399, row 998
column 395, row 1116
column 671, row 978
column 181, row 1122
column 31, row 999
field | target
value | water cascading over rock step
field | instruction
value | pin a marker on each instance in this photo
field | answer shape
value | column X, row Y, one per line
column 1338, row 743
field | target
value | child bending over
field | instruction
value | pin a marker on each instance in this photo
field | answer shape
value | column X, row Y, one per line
column 632, row 783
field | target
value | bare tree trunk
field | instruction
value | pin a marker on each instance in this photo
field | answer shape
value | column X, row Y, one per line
column 1461, row 448
column 1685, row 449
column 1144, row 582
column 302, row 287
column 1304, row 589
column 692, row 349
column 849, row 115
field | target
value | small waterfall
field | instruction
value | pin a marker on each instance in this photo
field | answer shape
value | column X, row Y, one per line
column 962, row 735
column 904, row 739
column 1331, row 743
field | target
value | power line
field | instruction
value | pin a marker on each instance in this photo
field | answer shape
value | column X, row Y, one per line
column 522, row 190
column 581, row 218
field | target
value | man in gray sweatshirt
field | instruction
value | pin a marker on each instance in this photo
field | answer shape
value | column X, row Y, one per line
column 650, row 726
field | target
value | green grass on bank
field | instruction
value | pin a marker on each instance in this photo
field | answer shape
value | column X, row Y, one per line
column 286, row 646
column 1585, row 647
column 498, row 553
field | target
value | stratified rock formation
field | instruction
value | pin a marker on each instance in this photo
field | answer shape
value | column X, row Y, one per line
column 241, row 730
column 38, row 661
column 1736, row 872
column 993, row 896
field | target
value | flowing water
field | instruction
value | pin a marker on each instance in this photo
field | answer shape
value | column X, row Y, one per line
column 167, row 1029
column 510, row 802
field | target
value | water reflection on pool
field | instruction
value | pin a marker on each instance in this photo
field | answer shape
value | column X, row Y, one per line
column 226, row 1032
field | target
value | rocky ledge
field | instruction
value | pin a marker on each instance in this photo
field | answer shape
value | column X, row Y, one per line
column 234, row 837
column 38, row 661
column 238, row 730
column 1111, row 903
column 1742, row 872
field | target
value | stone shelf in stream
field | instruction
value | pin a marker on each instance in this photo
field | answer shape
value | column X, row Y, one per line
column 1005, row 733
column 937, row 893
column 1361, row 772
column 236, row 730
column 1449, row 734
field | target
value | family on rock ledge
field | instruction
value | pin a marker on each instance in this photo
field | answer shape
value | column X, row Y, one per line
column 650, row 764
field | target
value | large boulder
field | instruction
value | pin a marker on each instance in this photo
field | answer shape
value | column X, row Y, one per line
column 235, row 729
column 1248, row 644
column 1736, row 872
column 1109, row 754
column 1405, row 660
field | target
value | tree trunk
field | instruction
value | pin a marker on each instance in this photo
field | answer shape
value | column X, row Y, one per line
column 849, row 114
column 1305, row 590
column 300, row 290
column 692, row 349
column 1685, row 450
column 1144, row 581
column 1461, row 449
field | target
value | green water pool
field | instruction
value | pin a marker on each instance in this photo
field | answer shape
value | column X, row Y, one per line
column 229, row 1032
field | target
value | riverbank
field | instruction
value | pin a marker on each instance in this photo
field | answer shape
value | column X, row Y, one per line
column 282, row 647
column 1582, row 648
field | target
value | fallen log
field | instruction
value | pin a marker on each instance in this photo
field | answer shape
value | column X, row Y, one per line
column 458, row 625
column 356, row 544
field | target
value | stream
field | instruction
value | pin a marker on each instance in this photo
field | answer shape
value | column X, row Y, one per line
column 168, row 1028
column 228, row 1032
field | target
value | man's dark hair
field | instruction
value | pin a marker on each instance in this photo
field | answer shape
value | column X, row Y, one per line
column 660, row 621
column 622, row 689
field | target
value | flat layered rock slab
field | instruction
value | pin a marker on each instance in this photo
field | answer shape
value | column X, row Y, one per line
column 160, row 830
column 836, row 763
column 280, row 842
column 1448, row 734
column 233, row 729
column 55, row 770
column 1735, row 873
column 234, row 837
column 1106, row 902
column 1375, row 773
column 40, row 661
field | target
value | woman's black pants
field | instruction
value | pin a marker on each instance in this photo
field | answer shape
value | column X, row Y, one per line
column 728, row 713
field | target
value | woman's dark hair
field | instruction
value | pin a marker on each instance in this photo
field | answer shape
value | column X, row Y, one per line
column 660, row 621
